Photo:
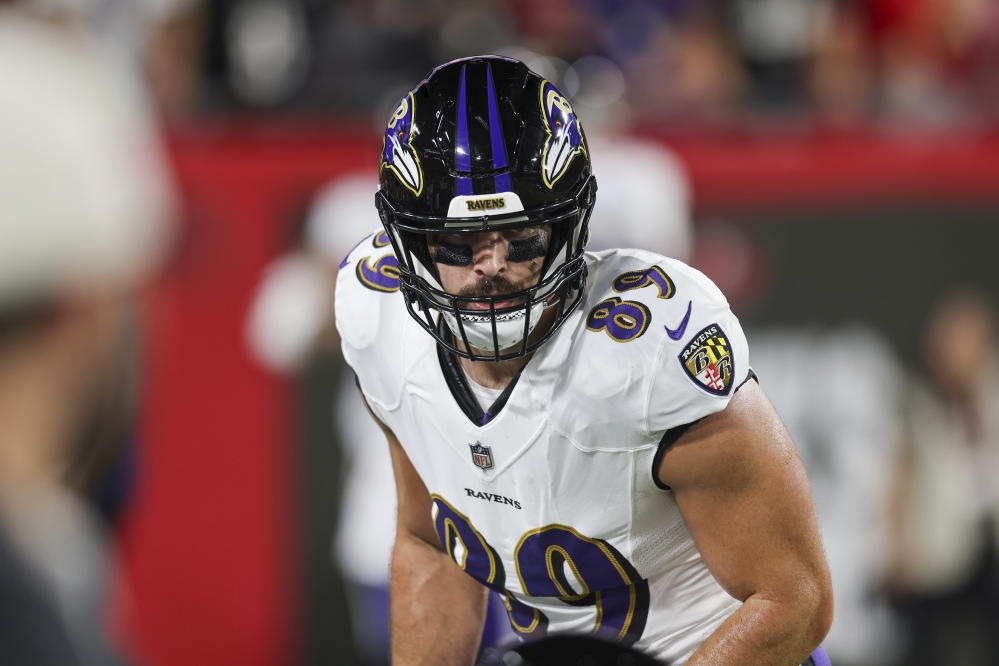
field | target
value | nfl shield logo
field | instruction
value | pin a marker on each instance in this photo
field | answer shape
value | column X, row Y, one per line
column 482, row 456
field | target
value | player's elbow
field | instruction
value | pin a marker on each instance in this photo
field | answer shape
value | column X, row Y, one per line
column 818, row 616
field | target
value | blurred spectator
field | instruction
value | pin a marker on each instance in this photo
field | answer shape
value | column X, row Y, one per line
column 923, row 63
column 561, row 28
column 686, row 62
column 258, row 53
column 945, row 571
column 678, row 63
column 73, row 245
column 171, row 36
column 776, row 41
column 842, row 78
column 305, row 56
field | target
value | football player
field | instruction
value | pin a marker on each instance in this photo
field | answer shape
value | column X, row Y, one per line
column 580, row 432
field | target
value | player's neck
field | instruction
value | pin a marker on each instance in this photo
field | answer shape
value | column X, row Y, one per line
column 493, row 374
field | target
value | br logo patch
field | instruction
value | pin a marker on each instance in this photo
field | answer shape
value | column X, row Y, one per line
column 707, row 359
column 482, row 456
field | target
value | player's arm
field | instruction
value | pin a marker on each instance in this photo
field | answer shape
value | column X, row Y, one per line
column 743, row 492
column 437, row 611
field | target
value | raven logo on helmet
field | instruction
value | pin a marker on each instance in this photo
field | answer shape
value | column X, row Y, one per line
column 565, row 140
column 397, row 151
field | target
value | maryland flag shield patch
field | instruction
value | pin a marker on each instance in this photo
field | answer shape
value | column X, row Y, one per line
column 707, row 359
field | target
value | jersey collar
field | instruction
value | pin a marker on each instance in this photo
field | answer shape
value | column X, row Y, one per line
column 457, row 382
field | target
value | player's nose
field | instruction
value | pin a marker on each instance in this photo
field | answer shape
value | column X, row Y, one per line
column 489, row 251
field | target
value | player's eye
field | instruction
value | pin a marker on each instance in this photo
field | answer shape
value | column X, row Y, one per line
column 525, row 249
column 453, row 254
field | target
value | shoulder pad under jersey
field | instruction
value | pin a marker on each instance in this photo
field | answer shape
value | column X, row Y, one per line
column 660, row 347
column 372, row 319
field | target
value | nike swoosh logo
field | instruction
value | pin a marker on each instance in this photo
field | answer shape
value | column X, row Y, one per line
column 677, row 333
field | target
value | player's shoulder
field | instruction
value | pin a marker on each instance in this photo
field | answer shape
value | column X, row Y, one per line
column 367, row 289
column 659, row 346
column 630, row 290
column 372, row 320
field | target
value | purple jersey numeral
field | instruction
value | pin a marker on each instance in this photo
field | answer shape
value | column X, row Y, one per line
column 553, row 561
column 622, row 320
column 470, row 551
column 557, row 561
column 382, row 276
column 650, row 276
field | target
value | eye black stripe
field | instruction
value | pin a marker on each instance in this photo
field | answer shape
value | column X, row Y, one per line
column 526, row 249
column 453, row 255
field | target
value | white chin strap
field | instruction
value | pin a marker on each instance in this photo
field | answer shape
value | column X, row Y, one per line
column 509, row 328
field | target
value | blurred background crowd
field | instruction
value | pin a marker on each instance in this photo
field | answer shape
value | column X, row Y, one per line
column 928, row 63
column 216, row 494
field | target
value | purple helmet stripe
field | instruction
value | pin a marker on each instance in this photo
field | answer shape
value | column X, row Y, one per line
column 462, row 157
column 502, row 181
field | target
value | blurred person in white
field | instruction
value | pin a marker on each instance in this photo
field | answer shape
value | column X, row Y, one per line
column 152, row 48
column 945, row 575
column 291, row 321
column 83, row 216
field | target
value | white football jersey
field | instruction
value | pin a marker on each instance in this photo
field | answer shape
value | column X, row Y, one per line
column 550, row 498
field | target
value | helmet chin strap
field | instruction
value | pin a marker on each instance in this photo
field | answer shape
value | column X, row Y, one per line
column 509, row 328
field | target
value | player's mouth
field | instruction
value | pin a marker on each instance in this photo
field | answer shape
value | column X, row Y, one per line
column 499, row 305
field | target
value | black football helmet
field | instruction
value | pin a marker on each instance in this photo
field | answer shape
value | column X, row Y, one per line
column 485, row 144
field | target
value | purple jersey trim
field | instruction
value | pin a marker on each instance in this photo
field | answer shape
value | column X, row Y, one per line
column 346, row 258
column 462, row 157
column 820, row 658
column 501, row 181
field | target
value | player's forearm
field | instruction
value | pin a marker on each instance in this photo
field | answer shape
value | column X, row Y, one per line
column 437, row 610
column 764, row 631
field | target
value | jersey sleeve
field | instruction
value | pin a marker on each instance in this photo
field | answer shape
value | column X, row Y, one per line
column 703, row 359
